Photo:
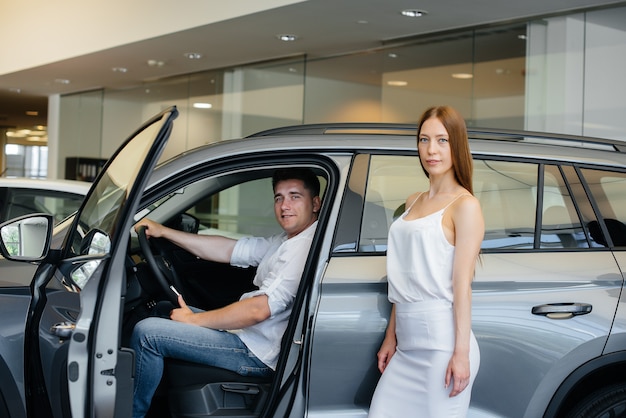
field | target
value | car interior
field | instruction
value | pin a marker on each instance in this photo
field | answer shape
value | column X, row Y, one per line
column 233, row 205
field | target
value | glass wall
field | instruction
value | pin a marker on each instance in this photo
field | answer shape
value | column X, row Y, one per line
column 481, row 73
column 561, row 74
column 575, row 80
column 26, row 161
column 23, row 152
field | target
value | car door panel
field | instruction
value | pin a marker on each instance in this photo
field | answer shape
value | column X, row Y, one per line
column 534, row 346
column 14, row 302
column 349, row 325
column 60, row 313
column 354, row 310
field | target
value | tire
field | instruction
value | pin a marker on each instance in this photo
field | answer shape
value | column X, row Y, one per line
column 609, row 402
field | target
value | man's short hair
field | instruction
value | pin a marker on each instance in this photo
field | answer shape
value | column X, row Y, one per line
column 306, row 175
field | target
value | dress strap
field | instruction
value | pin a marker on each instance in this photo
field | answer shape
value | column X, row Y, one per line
column 453, row 200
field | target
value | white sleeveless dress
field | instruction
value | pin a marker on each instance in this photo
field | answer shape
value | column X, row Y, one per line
column 419, row 271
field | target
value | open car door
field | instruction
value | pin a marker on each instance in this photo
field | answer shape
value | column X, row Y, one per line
column 74, row 362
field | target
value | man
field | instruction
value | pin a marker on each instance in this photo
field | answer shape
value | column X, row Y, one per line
column 244, row 336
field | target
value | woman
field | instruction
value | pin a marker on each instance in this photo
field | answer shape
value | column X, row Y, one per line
column 429, row 357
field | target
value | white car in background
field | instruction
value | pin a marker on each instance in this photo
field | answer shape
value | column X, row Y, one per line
column 22, row 196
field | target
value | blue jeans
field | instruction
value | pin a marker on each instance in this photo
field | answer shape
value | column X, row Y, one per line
column 156, row 338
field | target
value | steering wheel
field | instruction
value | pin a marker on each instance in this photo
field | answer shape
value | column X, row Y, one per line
column 160, row 266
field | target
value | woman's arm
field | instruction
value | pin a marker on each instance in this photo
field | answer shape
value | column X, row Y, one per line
column 388, row 347
column 469, row 230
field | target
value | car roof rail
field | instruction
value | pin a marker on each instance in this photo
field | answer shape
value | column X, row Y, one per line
column 365, row 128
column 342, row 128
column 548, row 139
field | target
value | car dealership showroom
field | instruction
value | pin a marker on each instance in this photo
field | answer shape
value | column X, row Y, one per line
column 163, row 165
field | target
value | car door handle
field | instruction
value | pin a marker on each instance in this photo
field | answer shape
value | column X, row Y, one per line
column 63, row 330
column 561, row 310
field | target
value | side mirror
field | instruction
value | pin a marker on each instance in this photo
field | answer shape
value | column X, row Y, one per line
column 95, row 242
column 26, row 238
column 184, row 222
column 189, row 223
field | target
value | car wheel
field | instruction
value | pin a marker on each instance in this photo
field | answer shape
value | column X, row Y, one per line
column 608, row 402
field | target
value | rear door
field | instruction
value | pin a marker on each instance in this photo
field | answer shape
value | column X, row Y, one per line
column 608, row 189
column 73, row 351
column 546, row 290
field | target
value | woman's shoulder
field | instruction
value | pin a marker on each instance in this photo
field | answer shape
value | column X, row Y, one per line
column 411, row 199
column 466, row 203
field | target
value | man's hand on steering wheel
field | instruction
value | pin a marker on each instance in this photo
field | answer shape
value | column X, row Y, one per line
column 153, row 229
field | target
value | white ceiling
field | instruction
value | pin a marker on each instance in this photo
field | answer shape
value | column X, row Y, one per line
column 323, row 27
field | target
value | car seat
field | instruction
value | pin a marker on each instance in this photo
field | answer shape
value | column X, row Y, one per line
column 617, row 232
column 196, row 390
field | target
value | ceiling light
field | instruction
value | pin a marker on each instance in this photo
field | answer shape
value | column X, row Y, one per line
column 202, row 105
column 397, row 83
column 392, row 55
column 193, row 55
column 286, row 37
column 463, row 76
column 413, row 13
column 120, row 70
column 62, row 81
column 156, row 63
column 15, row 90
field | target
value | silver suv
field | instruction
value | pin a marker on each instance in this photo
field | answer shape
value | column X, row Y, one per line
column 548, row 310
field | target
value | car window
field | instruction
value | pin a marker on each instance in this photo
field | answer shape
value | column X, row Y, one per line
column 25, row 201
column 391, row 179
column 234, row 205
column 100, row 215
column 508, row 196
column 560, row 224
column 507, row 192
column 241, row 210
column 609, row 191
